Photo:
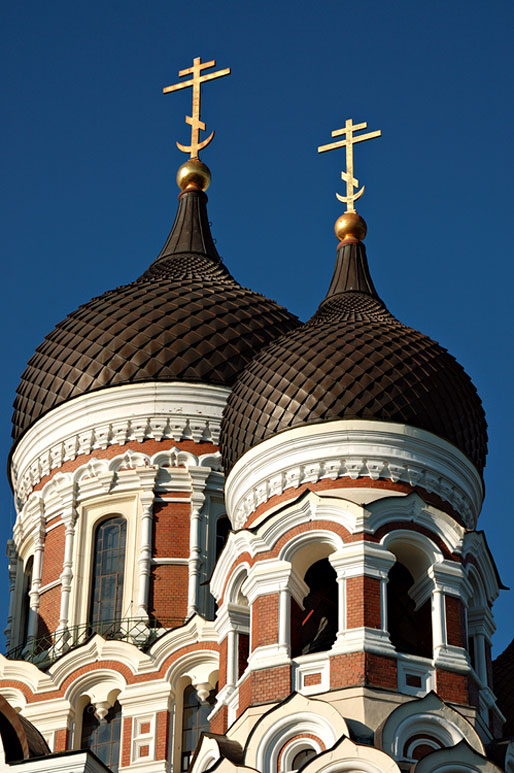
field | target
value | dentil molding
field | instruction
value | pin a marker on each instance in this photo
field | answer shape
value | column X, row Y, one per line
column 115, row 416
column 353, row 449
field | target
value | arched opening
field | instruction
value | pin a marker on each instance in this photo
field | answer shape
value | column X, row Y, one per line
column 410, row 629
column 223, row 527
column 25, row 604
column 102, row 736
column 314, row 629
column 302, row 757
column 194, row 722
column 108, row 575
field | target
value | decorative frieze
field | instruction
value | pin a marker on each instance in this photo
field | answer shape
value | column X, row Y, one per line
column 353, row 449
column 116, row 416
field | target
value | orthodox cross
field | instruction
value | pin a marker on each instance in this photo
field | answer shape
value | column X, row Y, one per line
column 194, row 120
column 348, row 142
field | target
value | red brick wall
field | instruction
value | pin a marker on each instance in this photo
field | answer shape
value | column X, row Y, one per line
column 171, row 529
column 363, row 668
column 49, row 611
column 454, row 621
column 61, row 740
column 265, row 686
column 168, row 593
column 162, row 735
column 363, row 602
column 452, row 687
column 223, row 663
column 126, row 740
column 219, row 723
column 53, row 555
column 265, row 620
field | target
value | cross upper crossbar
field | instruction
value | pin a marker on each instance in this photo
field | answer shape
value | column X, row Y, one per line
column 194, row 120
column 348, row 142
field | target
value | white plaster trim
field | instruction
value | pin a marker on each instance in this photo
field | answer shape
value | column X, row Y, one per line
column 353, row 449
column 178, row 411
column 170, row 561
column 49, row 586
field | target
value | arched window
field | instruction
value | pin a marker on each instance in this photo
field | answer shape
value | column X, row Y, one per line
column 25, row 606
column 103, row 736
column 315, row 628
column 194, row 722
column 302, row 757
column 410, row 629
column 108, row 573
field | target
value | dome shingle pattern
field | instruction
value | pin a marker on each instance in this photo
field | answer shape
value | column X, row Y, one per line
column 353, row 360
column 184, row 319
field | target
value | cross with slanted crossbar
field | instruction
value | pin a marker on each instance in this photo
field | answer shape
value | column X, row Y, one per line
column 194, row 120
column 348, row 142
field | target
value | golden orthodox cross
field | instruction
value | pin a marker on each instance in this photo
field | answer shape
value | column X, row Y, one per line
column 348, row 142
column 194, row 119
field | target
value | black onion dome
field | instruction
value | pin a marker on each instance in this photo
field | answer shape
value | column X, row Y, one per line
column 185, row 319
column 353, row 360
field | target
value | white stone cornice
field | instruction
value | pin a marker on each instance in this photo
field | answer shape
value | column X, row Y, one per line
column 353, row 449
column 115, row 416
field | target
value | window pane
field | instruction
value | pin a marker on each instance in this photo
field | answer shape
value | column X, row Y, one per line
column 108, row 571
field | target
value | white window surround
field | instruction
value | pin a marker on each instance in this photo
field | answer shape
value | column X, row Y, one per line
column 89, row 518
column 353, row 449
column 114, row 416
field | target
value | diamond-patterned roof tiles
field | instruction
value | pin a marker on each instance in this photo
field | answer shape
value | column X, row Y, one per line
column 352, row 360
column 184, row 319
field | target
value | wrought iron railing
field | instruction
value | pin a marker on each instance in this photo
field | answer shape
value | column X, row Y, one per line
column 45, row 650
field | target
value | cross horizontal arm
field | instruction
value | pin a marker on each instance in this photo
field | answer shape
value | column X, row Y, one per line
column 198, row 66
column 369, row 136
column 355, row 128
column 177, row 86
column 332, row 146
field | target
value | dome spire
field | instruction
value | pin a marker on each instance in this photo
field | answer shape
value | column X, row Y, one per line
column 191, row 233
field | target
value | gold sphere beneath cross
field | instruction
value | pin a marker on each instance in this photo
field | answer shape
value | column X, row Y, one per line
column 350, row 225
column 193, row 175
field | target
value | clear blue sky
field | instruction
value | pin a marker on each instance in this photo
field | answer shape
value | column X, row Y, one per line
column 88, row 162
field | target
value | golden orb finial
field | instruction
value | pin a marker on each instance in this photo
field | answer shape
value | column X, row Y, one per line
column 193, row 175
column 350, row 226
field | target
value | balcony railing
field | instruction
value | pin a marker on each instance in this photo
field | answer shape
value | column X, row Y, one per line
column 45, row 650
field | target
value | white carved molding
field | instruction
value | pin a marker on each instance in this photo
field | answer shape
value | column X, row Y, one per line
column 353, row 449
column 115, row 416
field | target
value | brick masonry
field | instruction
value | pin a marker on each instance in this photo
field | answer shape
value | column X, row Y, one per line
column 363, row 603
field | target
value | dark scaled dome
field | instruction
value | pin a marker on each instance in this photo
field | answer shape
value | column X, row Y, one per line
column 185, row 319
column 353, row 360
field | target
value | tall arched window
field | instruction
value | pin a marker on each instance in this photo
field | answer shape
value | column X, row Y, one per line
column 108, row 573
column 315, row 628
column 410, row 629
column 194, row 722
column 103, row 737
column 25, row 606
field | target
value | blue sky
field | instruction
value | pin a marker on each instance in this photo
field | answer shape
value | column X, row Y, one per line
column 88, row 162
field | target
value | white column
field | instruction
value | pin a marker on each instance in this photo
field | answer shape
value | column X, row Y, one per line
column 37, row 568
column 362, row 559
column 145, row 555
column 199, row 477
column 69, row 518
column 284, row 620
column 13, row 570
column 232, row 657
column 438, row 621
